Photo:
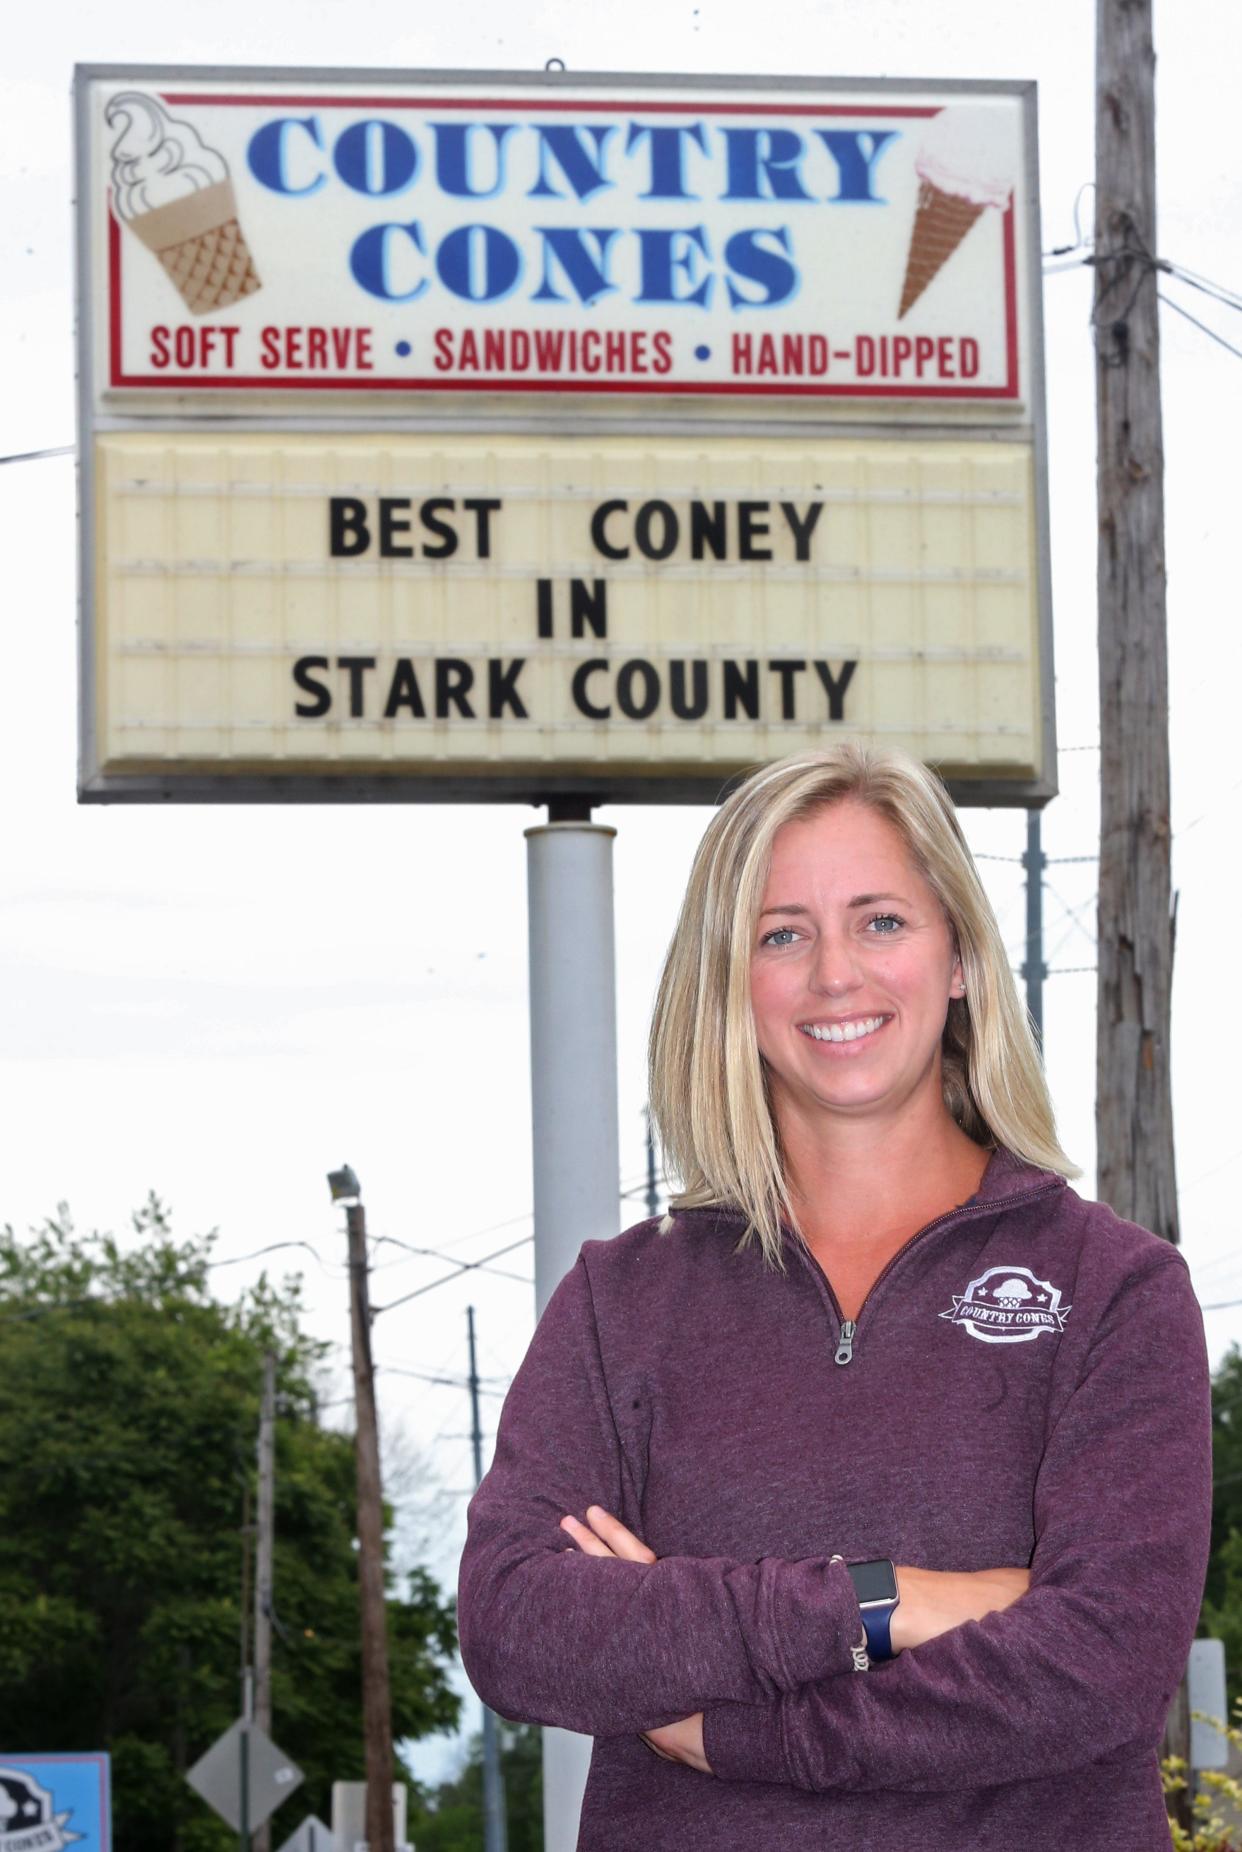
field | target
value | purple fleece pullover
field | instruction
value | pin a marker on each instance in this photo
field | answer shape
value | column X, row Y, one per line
column 1028, row 1385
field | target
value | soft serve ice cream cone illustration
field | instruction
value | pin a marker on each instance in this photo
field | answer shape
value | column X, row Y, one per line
column 175, row 194
column 964, row 166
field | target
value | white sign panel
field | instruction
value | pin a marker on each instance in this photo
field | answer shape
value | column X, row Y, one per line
column 471, row 436
column 850, row 243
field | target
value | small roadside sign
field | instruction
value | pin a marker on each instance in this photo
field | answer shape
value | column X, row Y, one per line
column 270, row 1776
column 311, row 1836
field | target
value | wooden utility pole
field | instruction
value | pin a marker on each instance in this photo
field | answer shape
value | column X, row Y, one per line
column 263, row 1566
column 1134, row 1107
column 1134, row 1100
column 376, row 1696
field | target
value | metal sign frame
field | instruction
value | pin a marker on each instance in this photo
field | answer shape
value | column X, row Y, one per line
column 530, row 415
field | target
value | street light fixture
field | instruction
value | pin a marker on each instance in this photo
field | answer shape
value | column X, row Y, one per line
column 343, row 1184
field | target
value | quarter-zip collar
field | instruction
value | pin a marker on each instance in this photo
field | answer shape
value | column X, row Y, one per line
column 1008, row 1182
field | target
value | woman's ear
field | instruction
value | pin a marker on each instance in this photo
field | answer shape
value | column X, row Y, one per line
column 957, row 982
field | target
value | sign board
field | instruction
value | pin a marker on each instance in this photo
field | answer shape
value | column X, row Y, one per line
column 48, row 1802
column 269, row 1774
column 349, row 1815
column 311, row 1836
column 1208, row 1703
column 481, row 436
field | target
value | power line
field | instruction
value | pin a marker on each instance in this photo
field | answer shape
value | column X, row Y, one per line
column 36, row 456
column 1229, row 297
column 236, row 1260
column 1210, row 332
column 438, row 1254
column 463, row 1266
column 490, row 1229
column 58, row 1305
column 449, row 1382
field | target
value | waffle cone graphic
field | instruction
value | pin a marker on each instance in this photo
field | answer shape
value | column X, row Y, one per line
column 202, row 247
column 941, row 221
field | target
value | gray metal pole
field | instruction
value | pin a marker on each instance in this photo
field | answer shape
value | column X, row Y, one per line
column 577, row 1168
column 495, row 1825
column 653, row 1191
column 1034, row 969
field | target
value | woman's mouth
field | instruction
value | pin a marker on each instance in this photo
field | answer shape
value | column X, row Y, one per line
column 856, row 1029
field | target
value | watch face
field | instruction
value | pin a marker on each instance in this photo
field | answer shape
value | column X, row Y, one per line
column 874, row 1581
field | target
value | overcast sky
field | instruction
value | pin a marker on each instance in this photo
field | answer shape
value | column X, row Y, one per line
column 222, row 1004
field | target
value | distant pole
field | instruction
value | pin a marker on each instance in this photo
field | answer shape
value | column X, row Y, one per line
column 247, row 1679
column 264, row 1549
column 243, row 1761
column 376, row 1695
column 653, row 1193
column 1034, row 969
column 244, row 1667
column 1134, row 1105
column 495, row 1826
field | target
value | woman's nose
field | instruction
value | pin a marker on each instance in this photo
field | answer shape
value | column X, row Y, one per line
column 834, row 969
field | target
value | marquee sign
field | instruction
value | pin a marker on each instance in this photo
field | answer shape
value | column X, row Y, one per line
column 599, row 435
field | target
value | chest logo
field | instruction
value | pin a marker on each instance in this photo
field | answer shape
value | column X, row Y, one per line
column 1008, row 1305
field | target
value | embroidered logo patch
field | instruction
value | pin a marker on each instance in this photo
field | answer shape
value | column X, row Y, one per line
column 1008, row 1305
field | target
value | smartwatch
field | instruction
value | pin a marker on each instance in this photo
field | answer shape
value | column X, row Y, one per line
column 875, row 1585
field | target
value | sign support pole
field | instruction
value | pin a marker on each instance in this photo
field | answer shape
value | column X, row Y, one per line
column 243, row 1762
column 577, row 1179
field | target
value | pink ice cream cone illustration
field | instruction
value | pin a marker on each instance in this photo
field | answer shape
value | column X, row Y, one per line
column 174, row 193
column 964, row 166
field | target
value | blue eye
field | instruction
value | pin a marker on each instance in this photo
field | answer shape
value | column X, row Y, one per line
column 779, row 935
column 885, row 924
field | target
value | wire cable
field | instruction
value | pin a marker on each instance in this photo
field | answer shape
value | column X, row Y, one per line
column 36, row 456
column 1210, row 332
column 437, row 1254
column 237, row 1260
column 464, row 1266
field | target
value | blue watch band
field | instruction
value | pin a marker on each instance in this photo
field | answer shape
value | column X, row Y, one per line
column 877, row 1625
column 875, row 1584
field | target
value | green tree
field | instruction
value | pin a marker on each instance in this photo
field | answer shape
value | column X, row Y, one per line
column 1222, row 1602
column 129, row 1405
column 450, row 1817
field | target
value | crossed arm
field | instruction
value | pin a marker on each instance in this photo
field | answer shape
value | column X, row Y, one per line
column 931, row 1602
column 746, row 1669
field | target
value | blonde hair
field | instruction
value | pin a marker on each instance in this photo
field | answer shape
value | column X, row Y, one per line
column 708, row 1090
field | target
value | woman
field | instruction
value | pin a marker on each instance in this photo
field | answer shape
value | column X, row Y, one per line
column 877, row 1329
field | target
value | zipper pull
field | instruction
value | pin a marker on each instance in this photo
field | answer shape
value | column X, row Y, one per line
column 845, row 1349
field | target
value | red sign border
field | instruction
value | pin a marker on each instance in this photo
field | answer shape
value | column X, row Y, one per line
column 119, row 379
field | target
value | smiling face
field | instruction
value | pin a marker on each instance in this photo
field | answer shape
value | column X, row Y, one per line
column 852, row 969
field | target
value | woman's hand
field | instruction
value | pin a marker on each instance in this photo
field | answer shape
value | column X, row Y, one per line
column 604, row 1535
column 935, row 1600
